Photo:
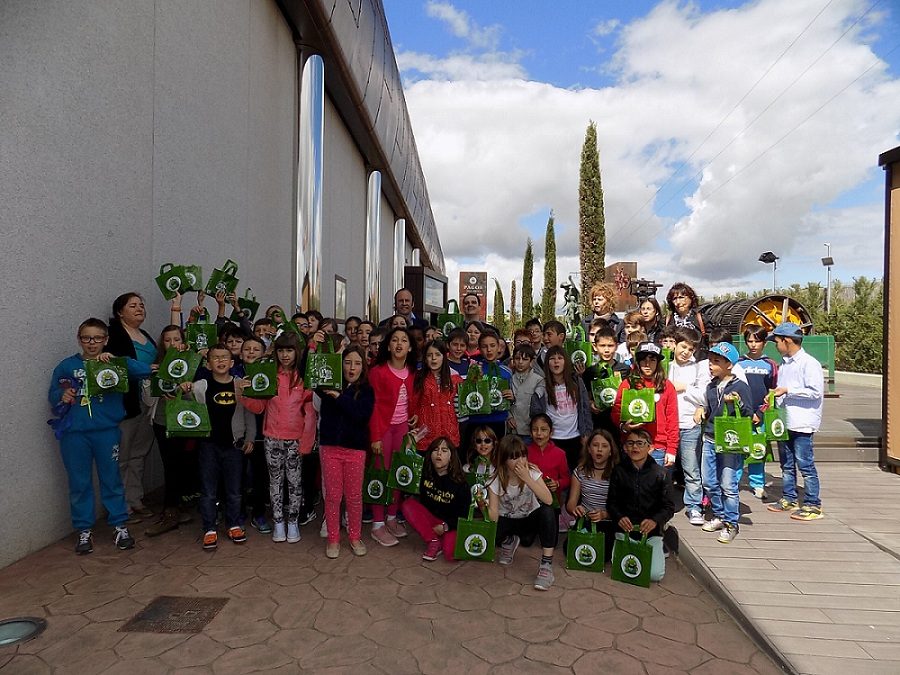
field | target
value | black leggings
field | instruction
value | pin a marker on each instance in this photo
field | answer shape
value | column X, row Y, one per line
column 176, row 466
column 540, row 523
column 572, row 448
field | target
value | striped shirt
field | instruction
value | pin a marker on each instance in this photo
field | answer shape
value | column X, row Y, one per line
column 593, row 491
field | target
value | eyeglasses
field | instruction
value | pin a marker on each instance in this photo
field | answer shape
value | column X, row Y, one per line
column 91, row 339
column 481, row 441
column 636, row 444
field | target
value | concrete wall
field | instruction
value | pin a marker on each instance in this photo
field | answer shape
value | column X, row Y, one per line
column 134, row 133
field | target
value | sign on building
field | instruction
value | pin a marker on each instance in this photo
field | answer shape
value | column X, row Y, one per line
column 474, row 282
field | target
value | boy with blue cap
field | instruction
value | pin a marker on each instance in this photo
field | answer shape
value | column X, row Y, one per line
column 721, row 472
column 800, row 391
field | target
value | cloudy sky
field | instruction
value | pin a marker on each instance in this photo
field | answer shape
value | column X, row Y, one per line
column 725, row 129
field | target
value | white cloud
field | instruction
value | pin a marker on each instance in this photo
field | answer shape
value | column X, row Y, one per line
column 497, row 148
column 605, row 28
column 462, row 25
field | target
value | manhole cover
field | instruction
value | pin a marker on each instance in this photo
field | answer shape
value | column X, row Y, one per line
column 168, row 614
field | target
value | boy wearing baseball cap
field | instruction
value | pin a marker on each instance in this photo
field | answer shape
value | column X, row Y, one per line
column 800, row 391
column 721, row 472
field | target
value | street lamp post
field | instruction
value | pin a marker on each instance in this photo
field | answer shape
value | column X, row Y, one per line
column 770, row 258
column 828, row 261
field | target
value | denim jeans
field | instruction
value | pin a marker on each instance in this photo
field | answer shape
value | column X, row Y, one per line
column 689, row 452
column 797, row 453
column 658, row 455
column 226, row 461
column 721, row 474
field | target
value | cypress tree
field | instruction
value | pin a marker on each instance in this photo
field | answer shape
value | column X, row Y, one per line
column 499, row 310
column 528, row 283
column 591, row 219
column 512, row 308
column 548, row 298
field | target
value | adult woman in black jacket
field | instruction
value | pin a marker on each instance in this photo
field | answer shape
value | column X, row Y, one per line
column 127, row 338
column 343, row 440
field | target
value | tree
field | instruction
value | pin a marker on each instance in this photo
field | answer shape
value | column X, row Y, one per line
column 499, row 320
column 548, row 297
column 528, row 283
column 591, row 219
column 513, row 323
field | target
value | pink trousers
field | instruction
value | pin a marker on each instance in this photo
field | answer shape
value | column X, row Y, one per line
column 423, row 522
column 342, row 474
column 390, row 443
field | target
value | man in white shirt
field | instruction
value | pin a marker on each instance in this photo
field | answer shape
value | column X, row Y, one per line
column 801, row 387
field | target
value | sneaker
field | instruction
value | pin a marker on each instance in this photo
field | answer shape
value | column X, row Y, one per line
column 124, row 540
column 544, row 579
column 358, row 548
column 808, row 513
column 85, row 543
column 166, row 523
column 695, row 517
column 278, row 534
column 308, row 518
column 728, row 534
column 323, row 531
column 759, row 493
column 261, row 525
column 712, row 525
column 432, row 551
column 367, row 516
column 396, row 528
column 293, row 532
column 332, row 551
column 384, row 537
column 782, row 506
column 237, row 534
column 508, row 550
column 210, row 540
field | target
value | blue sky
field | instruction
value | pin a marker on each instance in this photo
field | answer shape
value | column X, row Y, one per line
column 711, row 123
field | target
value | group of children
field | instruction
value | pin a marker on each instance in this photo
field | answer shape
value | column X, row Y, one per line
column 555, row 453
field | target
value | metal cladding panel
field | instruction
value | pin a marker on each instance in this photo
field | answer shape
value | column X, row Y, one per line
column 364, row 49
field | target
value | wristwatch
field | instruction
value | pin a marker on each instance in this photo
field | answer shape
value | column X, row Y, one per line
column 446, row 527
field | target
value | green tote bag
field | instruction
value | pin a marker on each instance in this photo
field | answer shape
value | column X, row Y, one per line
column 475, row 539
column 604, row 390
column 585, row 549
column 223, row 279
column 496, row 386
column 105, row 378
column 201, row 334
column 194, row 276
column 172, row 280
column 451, row 318
column 760, row 450
column 263, row 377
column 249, row 307
column 733, row 434
column 638, row 405
column 323, row 368
column 631, row 560
column 406, row 467
column 775, row 420
column 579, row 349
column 474, row 394
column 178, row 366
column 375, row 489
column 186, row 419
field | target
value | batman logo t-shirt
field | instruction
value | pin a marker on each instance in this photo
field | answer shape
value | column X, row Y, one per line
column 222, row 405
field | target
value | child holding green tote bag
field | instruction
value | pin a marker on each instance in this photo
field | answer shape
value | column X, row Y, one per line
column 640, row 497
column 648, row 400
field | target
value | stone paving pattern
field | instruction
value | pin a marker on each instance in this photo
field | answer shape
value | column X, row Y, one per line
column 292, row 610
column 822, row 592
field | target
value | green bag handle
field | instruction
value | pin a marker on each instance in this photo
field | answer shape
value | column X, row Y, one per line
column 635, row 528
column 473, row 369
column 493, row 370
column 453, row 302
column 248, row 295
column 165, row 267
column 771, row 400
column 484, row 512
column 578, row 333
column 230, row 267
column 580, row 525
column 409, row 445
column 178, row 395
column 374, row 461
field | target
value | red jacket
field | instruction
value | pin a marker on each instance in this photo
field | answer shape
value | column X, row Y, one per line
column 664, row 427
column 437, row 411
column 552, row 463
column 387, row 391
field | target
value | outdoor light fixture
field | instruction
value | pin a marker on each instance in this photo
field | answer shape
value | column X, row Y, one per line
column 828, row 261
column 20, row 629
column 770, row 258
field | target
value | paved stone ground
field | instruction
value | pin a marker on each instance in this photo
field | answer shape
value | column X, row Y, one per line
column 291, row 610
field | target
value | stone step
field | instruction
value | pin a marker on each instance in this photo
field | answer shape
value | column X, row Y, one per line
column 829, row 453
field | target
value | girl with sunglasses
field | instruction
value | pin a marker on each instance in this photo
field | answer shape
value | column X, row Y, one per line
column 482, row 454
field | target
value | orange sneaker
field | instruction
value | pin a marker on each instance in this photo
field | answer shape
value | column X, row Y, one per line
column 237, row 534
column 210, row 540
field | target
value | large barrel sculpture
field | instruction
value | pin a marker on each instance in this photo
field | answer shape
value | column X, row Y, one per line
column 766, row 310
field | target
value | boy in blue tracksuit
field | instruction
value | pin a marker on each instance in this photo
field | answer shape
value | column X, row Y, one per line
column 489, row 345
column 88, row 433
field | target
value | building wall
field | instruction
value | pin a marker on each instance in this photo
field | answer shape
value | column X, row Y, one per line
column 135, row 133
